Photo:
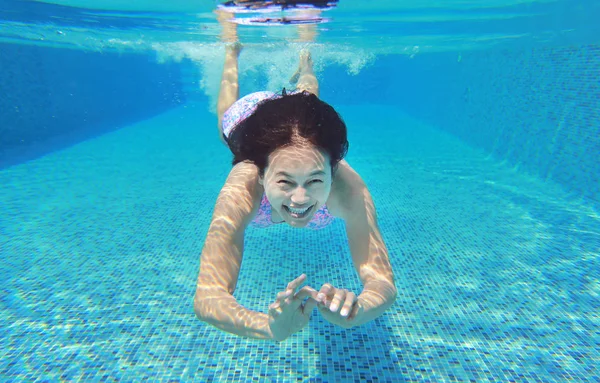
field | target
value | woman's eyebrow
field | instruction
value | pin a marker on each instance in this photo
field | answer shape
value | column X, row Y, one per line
column 315, row 173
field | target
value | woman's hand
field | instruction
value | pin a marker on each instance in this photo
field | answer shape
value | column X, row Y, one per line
column 338, row 306
column 289, row 313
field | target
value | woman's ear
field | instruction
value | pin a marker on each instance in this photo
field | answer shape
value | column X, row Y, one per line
column 261, row 176
column 334, row 169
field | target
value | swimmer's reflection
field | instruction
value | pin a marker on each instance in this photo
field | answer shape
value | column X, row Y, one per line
column 285, row 4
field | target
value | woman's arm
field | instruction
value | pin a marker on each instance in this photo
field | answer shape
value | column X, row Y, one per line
column 369, row 253
column 221, row 258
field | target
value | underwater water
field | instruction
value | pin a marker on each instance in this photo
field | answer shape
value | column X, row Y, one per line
column 475, row 128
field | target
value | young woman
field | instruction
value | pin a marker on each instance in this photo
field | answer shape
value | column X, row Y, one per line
column 288, row 168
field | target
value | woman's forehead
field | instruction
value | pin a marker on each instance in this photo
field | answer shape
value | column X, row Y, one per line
column 303, row 160
column 304, row 152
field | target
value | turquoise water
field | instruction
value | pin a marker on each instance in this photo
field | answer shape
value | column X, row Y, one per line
column 475, row 129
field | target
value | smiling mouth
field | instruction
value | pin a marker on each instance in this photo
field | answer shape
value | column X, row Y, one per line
column 298, row 213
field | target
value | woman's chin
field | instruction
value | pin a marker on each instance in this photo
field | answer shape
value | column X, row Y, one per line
column 297, row 224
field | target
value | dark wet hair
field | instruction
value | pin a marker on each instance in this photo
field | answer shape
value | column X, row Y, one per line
column 287, row 120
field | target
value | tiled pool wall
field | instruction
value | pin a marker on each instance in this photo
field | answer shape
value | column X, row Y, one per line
column 538, row 109
column 55, row 97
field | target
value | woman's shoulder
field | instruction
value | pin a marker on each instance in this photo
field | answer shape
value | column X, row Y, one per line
column 241, row 194
column 346, row 187
column 243, row 179
column 243, row 173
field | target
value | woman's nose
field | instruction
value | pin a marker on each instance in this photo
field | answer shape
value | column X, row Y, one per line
column 300, row 197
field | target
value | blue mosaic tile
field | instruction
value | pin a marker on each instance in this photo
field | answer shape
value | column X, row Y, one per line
column 497, row 270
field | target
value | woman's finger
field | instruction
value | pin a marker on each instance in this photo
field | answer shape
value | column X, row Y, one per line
column 355, row 310
column 325, row 292
column 283, row 295
column 274, row 310
column 348, row 304
column 309, row 306
column 293, row 285
column 338, row 299
column 306, row 291
column 287, row 300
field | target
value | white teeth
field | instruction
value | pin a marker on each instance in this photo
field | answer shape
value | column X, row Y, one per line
column 298, row 211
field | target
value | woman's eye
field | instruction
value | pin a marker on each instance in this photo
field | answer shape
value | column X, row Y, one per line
column 285, row 182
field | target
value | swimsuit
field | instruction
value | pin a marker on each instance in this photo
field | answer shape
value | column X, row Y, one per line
column 243, row 108
column 240, row 110
column 264, row 217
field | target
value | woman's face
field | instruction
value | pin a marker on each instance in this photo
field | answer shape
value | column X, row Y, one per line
column 297, row 182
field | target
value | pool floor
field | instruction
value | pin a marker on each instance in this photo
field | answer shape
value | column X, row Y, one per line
column 497, row 271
